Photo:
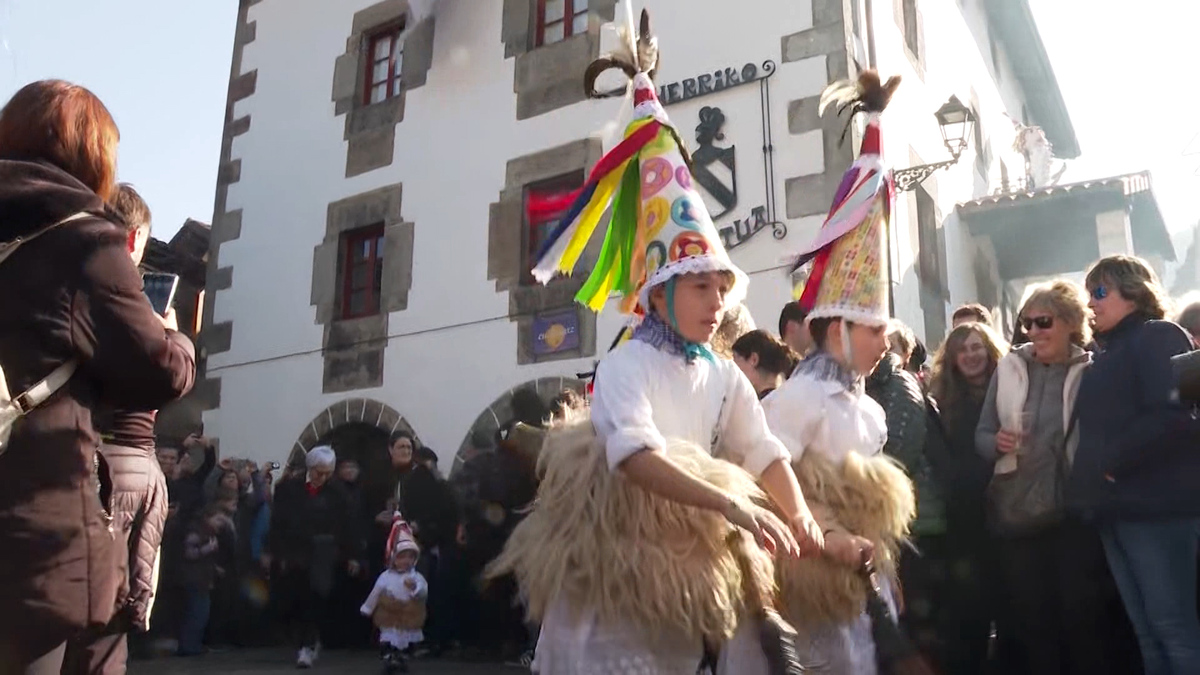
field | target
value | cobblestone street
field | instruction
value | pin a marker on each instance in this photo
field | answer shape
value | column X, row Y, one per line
column 279, row 662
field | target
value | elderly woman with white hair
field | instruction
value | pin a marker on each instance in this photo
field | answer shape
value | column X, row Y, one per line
column 311, row 533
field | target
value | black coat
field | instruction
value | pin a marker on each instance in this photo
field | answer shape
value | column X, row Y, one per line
column 962, row 473
column 299, row 518
column 71, row 294
column 1137, row 453
column 428, row 503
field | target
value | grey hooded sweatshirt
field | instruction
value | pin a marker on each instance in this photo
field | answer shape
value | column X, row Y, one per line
column 1048, row 402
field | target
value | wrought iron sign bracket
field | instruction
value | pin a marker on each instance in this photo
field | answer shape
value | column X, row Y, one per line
column 908, row 179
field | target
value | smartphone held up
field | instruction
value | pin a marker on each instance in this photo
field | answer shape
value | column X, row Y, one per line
column 160, row 289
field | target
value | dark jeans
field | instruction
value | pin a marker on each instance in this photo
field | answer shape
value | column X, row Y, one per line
column 1154, row 562
column 348, row 628
column 197, row 606
column 448, row 586
column 226, row 621
column 1066, row 612
column 502, row 629
column 971, row 601
column 924, row 576
column 303, row 611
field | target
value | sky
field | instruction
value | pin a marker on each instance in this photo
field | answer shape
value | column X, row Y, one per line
column 162, row 67
column 1128, row 74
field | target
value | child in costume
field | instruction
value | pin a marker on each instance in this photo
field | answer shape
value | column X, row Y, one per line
column 397, row 603
column 624, row 556
column 835, row 433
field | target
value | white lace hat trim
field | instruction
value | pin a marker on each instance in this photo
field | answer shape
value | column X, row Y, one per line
column 853, row 314
column 699, row 264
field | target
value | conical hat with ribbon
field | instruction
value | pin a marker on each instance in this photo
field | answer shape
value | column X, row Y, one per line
column 400, row 538
column 850, row 254
column 659, row 228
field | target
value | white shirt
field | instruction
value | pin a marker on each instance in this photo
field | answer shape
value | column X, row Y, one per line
column 392, row 583
column 823, row 416
column 642, row 397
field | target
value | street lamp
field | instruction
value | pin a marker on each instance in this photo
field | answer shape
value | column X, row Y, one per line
column 956, row 122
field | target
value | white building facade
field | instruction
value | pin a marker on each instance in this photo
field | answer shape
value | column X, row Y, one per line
column 370, row 246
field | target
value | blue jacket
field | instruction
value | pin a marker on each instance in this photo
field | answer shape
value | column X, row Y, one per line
column 1137, row 456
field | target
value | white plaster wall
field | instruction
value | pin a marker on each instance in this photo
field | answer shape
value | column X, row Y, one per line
column 453, row 350
column 1113, row 233
column 954, row 63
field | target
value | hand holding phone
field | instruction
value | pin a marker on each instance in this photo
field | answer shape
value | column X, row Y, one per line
column 168, row 320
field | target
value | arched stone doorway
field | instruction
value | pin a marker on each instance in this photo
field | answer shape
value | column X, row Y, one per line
column 528, row 402
column 355, row 427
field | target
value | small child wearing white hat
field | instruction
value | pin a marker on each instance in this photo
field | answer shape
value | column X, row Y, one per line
column 397, row 603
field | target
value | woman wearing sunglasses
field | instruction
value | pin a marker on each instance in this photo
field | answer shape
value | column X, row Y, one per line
column 1052, row 566
column 1137, row 470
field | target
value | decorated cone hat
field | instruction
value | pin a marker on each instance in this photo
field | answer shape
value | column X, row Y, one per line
column 850, row 256
column 659, row 227
column 400, row 538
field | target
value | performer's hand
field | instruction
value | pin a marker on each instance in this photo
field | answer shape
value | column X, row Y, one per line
column 410, row 584
column 808, row 534
column 383, row 518
column 353, row 568
column 768, row 530
column 848, row 549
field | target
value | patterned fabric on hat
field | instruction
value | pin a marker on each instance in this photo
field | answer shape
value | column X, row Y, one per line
column 400, row 538
column 849, row 255
column 659, row 226
column 853, row 285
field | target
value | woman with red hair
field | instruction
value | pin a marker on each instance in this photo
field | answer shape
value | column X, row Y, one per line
column 75, row 332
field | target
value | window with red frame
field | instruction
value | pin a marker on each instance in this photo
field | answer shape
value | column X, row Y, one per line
column 385, row 60
column 558, row 20
column 542, row 225
column 362, row 271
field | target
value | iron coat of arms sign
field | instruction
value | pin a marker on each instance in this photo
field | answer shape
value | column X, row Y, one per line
column 714, row 168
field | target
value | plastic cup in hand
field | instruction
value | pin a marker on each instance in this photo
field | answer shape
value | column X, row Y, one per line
column 1024, row 428
column 1007, row 463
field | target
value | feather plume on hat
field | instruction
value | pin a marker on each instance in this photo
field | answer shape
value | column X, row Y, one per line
column 658, row 228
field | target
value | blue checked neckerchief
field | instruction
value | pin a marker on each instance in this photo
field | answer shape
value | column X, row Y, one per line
column 821, row 365
column 656, row 333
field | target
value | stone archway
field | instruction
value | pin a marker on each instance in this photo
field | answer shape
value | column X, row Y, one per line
column 481, row 436
column 355, row 412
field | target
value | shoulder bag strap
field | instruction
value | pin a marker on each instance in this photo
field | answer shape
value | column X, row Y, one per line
column 8, row 247
column 38, row 393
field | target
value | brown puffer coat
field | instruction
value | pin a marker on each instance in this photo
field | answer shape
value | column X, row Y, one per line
column 139, row 510
column 72, row 293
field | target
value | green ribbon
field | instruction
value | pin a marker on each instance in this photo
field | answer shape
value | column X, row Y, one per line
column 617, row 250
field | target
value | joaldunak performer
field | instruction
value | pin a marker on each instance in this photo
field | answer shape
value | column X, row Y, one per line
column 835, row 434
column 626, row 557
